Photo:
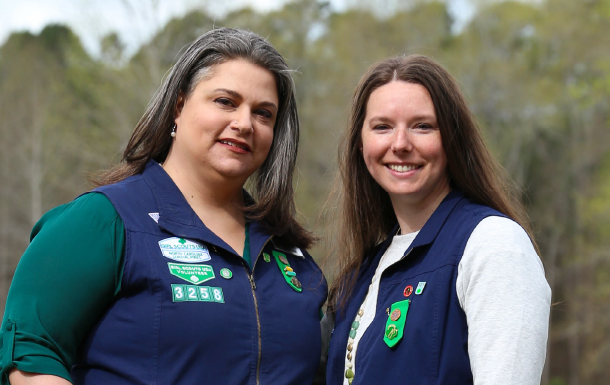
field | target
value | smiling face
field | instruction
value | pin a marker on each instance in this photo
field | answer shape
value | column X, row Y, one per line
column 401, row 145
column 225, row 127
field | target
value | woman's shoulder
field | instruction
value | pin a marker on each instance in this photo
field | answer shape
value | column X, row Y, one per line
column 499, row 254
column 91, row 208
column 500, row 233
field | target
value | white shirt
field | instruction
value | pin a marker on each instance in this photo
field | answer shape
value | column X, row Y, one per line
column 393, row 254
column 502, row 289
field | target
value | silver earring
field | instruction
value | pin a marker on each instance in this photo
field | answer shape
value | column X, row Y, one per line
column 173, row 134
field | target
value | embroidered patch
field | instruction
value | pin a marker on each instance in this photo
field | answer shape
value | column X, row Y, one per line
column 183, row 293
column 154, row 216
column 181, row 250
column 192, row 273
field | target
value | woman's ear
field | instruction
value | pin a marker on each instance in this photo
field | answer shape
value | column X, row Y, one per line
column 179, row 106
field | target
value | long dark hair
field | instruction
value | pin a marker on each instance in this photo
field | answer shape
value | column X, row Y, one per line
column 365, row 212
column 272, row 183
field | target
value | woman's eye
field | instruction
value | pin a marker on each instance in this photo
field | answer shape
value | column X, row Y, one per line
column 381, row 127
column 225, row 102
column 423, row 127
column 264, row 113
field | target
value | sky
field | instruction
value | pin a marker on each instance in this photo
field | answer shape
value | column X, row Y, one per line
column 92, row 19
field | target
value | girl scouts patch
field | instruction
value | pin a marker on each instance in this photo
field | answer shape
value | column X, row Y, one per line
column 181, row 250
column 191, row 273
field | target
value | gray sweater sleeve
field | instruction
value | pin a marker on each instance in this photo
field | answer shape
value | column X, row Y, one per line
column 502, row 288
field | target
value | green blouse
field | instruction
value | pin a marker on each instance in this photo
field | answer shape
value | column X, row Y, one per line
column 64, row 282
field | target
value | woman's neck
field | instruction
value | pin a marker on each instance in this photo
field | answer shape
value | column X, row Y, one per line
column 413, row 215
column 217, row 203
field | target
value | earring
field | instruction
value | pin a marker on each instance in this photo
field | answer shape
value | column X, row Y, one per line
column 173, row 134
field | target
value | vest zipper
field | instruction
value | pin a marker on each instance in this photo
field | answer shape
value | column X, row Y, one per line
column 258, row 320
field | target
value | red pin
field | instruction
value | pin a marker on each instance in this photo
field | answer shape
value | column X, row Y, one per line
column 408, row 291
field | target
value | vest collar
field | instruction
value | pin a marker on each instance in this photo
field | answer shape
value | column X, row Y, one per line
column 435, row 223
column 426, row 235
column 178, row 218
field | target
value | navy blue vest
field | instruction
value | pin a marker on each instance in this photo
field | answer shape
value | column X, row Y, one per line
column 188, row 311
column 434, row 347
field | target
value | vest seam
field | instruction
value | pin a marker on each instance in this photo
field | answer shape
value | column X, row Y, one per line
column 394, row 283
column 114, row 256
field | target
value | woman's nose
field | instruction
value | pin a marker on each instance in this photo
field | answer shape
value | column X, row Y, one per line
column 242, row 121
column 402, row 140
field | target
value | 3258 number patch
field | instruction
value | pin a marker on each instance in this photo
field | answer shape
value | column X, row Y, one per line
column 182, row 293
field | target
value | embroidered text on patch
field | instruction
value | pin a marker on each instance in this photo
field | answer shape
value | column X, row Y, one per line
column 181, row 250
column 192, row 273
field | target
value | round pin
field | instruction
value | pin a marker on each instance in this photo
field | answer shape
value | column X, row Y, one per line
column 283, row 259
column 226, row 273
column 408, row 291
column 295, row 282
column 395, row 315
column 266, row 257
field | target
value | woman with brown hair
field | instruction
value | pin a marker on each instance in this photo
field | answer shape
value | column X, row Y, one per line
column 170, row 272
column 440, row 281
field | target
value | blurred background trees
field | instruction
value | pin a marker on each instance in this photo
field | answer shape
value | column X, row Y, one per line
column 536, row 74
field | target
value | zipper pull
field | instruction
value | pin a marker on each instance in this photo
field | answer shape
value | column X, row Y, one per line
column 252, row 281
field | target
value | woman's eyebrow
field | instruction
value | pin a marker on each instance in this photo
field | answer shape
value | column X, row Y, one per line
column 230, row 92
column 237, row 95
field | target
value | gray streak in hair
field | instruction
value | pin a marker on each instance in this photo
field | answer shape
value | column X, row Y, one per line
column 272, row 183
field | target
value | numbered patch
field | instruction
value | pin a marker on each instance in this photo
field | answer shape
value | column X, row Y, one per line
column 184, row 293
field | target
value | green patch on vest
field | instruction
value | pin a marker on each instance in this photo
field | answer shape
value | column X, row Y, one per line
column 395, row 326
column 185, row 293
column 191, row 273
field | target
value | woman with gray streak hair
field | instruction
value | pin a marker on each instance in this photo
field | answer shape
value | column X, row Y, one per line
column 169, row 272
